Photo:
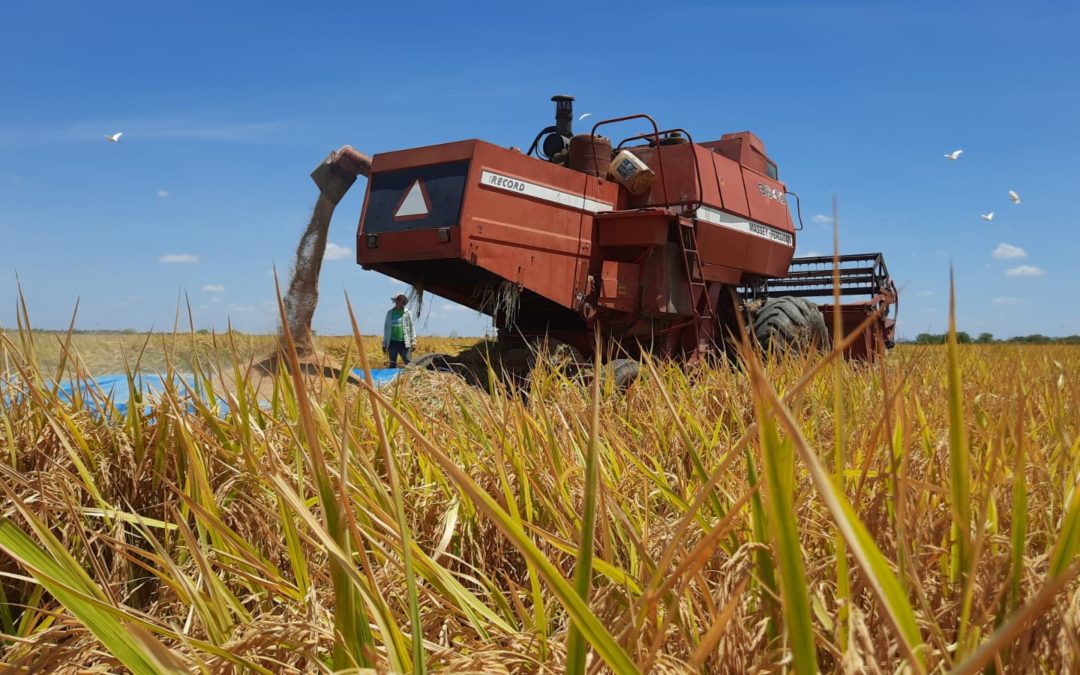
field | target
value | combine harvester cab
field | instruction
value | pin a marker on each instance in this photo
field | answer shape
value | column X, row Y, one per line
column 487, row 227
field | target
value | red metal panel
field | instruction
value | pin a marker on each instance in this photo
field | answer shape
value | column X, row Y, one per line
column 539, row 236
column 725, row 275
column 544, row 262
column 640, row 229
column 419, row 245
column 664, row 289
column 871, row 342
column 428, row 154
column 742, row 147
column 679, row 179
column 620, row 286
column 531, row 239
column 767, row 199
column 719, row 245
column 732, row 192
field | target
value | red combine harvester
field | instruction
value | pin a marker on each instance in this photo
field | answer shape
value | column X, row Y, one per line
column 660, row 247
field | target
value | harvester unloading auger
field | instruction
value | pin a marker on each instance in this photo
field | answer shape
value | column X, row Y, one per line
column 659, row 242
column 334, row 176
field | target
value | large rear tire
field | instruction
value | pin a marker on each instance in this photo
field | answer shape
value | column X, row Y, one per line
column 432, row 362
column 789, row 324
column 624, row 373
column 445, row 364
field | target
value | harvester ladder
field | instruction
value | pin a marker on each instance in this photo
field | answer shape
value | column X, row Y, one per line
column 699, row 290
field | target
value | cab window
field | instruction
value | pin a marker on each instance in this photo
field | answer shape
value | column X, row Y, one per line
column 770, row 170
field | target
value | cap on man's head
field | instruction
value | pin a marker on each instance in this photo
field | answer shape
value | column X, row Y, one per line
column 400, row 296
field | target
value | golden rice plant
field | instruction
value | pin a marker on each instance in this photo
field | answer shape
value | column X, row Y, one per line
column 919, row 514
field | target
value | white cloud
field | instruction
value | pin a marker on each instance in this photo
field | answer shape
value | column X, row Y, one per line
column 1008, row 251
column 1025, row 271
column 1007, row 301
column 821, row 218
column 215, row 299
column 925, row 294
column 179, row 258
column 450, row 307
column 214, row 288
column 807, row 254
column 335, row 252
column 164, row 194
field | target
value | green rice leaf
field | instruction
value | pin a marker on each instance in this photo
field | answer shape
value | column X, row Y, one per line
column 66, row 581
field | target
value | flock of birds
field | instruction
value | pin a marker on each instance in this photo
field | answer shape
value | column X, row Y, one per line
column 951, row 156
column 955, row 155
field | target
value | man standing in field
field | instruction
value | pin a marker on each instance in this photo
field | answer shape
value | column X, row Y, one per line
column 398, row 333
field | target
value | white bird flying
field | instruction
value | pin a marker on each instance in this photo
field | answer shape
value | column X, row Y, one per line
column 954, row 155
column 115, row 138
column 583, row 116
column 988, row 216
column 1014, row 197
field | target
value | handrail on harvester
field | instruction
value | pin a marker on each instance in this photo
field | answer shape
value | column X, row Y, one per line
column 697, row 167
column 656, row 139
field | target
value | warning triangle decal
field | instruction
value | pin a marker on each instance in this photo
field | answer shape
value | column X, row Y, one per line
column 414, row 204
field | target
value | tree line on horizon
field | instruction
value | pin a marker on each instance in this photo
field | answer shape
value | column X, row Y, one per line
column 988, row 338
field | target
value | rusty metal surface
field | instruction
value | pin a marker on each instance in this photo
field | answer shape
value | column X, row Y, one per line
column 590, row 154
column 620, row 286
column 504, row 227
column 627, row 233
column 873, row 341
column 579, row 250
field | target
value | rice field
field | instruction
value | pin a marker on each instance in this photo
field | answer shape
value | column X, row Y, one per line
column 804, row 514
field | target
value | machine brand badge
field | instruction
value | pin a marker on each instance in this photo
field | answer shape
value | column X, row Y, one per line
column 542, row 192
column 771, row 193
column 505, row 182
column 734, row 222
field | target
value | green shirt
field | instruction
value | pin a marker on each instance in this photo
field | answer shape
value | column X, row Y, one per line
column 397, row 325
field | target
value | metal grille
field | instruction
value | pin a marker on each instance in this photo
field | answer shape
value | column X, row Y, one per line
column 860, row 274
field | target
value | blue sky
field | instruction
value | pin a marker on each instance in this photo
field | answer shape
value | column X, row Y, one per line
column 226, row 107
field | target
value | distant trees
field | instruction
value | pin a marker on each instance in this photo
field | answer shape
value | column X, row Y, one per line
column 939, row 338
column 1035, row 339
column 988, row 338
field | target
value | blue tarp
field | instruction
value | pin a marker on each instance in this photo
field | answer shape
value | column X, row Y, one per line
column 379, row 375
column 114, row 387
column 152, row 386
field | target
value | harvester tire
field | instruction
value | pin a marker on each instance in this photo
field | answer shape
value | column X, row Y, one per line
column 442, row 363
column 788, row 323
column 624, row 372
column 432, row 362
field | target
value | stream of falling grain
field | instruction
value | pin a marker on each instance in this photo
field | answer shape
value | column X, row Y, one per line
column 303, row 293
